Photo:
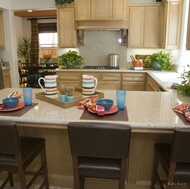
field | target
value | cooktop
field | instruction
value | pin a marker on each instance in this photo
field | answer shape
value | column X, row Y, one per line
column 102, row 67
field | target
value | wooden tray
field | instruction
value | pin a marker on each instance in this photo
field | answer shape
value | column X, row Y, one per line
column 78, row 96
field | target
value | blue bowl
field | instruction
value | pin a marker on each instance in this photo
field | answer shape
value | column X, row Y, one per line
column 106, row 103
column 10, row 102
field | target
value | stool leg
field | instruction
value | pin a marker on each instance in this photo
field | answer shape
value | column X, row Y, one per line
column 45, row 171
column 11, row 179
column 123, row 174
column 154, row 173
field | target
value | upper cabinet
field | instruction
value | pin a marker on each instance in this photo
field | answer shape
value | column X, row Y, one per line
column 2, row 40
column 188, row 31
column 144, row 25
column 171, row 24
column 104, row 14
column 67, row 35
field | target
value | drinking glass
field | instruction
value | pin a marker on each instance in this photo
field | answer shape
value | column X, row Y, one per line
column 121, row 99
column 27, row 95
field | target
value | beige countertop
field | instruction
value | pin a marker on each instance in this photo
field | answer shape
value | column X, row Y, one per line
column 146, row 110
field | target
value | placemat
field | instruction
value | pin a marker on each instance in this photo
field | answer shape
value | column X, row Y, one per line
column 20, row 112
column 121, row 115
column 182, row 117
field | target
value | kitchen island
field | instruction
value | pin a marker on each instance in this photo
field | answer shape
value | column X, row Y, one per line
column 150, row 116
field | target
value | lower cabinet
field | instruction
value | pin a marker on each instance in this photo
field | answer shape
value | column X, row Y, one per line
column 71, row 78
column 151, row 85
column 6, row 78
column 109, row 81
column 133, row 81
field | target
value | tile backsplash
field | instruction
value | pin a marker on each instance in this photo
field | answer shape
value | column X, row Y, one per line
column 98, row 44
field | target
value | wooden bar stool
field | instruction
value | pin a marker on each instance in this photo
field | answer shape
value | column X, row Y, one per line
column 174, row 159
column 99, row 150
column 17, row 153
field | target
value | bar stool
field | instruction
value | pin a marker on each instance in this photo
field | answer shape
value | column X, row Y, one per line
column 99, row 150
column 174, row 159
column 17, row 153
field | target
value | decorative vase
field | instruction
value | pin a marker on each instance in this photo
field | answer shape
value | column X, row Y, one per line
column 69, row 98
column 48, row 61
column 63, row 98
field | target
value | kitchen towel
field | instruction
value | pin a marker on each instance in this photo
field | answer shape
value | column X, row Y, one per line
column 20, row 112
column 121, row 115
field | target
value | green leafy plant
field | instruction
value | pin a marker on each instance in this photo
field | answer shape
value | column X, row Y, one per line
column 160, row 61
column 23, row 50
column 63, row 2
column 184, row 87
column 70, row 59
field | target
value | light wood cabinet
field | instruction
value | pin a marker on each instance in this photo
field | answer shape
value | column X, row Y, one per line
column 151, row 85
column 67, row 35
column 171, row 24
column 2, row 40
column 100, row 10
column 109, row 81
column 133, row 81
column 71, row 78
column 188, row 31
column 144, row 25
column 98, row 14
column 6, row 78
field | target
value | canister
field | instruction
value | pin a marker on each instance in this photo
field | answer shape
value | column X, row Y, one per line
column 114, row 60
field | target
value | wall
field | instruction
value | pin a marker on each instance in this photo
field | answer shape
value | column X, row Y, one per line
column 99, row 44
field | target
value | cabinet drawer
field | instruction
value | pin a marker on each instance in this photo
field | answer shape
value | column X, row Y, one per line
column 111, row 77
column 6, row 73
column 69, row 76
column 72, row 83
column 133, row 77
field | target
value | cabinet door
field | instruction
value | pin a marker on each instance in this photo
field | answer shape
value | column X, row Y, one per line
column 105, row 85
column 151, row 27
column 82, row 9
column 188, row 32
column 119, row 9
column 2, row 41
column 133, row 86
column 66, row 29
column 136, row 26
column 172, row 33
column 6, row 79
column 101, row 10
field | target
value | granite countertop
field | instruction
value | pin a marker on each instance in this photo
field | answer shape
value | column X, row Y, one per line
column 146, row 110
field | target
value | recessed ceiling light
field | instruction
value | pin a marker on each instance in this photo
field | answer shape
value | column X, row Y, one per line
column 29, row 10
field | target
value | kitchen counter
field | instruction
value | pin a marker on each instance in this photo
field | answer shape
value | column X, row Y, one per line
column 146, row 110
column 150, row 116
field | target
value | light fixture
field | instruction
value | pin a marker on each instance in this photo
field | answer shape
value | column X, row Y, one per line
column 29, row 10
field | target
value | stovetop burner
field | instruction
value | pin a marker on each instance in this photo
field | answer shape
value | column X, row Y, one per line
column 102, row 67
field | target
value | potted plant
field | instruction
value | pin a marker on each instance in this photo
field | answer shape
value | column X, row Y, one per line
column 47, row 58
column 63, row 2
column 184, row 86
column 70, row 59
column 63, row 92
column 159, row 61
column 23, row 50
column 70, row 90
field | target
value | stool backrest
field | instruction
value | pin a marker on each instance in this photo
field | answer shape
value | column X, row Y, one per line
column 9, row 138
column 99, row 139
column 181, row 143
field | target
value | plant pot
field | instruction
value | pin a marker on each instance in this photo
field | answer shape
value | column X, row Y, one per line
column 48, row 61
column 70, row 64
column 69, row 98
column 156, row 66
column 63, row 98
